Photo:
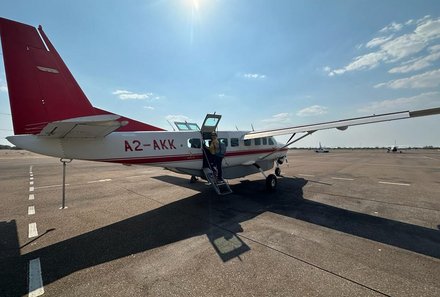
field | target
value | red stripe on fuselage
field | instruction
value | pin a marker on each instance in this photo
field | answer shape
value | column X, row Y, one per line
column 182, row 157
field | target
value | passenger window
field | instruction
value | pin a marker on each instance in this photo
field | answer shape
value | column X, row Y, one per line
column 271, row 141
column 194, row 143
column 247, row 142
column 257, row 141
column 264, row 141
column 235, row 142
column 224, row 140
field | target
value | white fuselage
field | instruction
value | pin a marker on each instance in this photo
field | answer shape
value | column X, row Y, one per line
column 172, row 150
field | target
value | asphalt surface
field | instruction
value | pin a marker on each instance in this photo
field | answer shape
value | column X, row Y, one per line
column 346, row 223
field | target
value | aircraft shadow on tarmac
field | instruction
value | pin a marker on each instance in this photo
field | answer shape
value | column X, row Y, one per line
column 219, row 219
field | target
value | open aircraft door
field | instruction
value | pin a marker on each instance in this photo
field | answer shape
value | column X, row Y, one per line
column 210, row 125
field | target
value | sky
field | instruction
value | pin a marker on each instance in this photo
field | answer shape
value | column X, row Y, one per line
column 261, row 64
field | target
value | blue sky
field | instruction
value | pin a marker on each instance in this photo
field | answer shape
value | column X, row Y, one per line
column 267, row 63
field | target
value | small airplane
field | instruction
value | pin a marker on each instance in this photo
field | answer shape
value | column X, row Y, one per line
column 397, row 149
column 52, row 116
column 321, row 149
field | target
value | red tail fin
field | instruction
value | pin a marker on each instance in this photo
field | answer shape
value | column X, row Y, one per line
column 41, row 87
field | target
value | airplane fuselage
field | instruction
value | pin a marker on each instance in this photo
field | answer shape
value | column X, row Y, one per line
column 178, row 151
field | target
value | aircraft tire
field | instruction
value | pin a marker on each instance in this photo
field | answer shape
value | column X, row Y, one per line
column 193, row 179
column 278, row 171
column 271, row 182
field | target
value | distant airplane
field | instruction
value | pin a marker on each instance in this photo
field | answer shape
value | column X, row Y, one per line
column 321, row 149
column 395, row 148
column 52, row 116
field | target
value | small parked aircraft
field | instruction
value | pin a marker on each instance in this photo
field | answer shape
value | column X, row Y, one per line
column 321, row 149
column 52, row 116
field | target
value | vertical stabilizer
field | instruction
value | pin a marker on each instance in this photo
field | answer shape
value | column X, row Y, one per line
column 41, row 88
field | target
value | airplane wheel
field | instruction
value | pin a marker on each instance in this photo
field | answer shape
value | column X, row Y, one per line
column 193, row 179
column 271, row 182
column 278, row 171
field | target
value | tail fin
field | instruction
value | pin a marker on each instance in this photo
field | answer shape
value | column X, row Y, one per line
column 41, row 88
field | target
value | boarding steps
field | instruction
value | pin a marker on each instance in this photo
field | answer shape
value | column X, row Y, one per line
column 220, row 187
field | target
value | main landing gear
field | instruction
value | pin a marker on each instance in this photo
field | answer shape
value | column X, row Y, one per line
column 271, row 179
column 271, row 182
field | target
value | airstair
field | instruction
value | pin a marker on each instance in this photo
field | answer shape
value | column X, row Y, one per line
column 209, row 125
column 221, row 187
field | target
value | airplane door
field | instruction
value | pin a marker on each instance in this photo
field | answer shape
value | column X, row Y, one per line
column 210, row 125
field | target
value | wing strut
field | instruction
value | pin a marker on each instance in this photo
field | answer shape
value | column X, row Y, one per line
column 289, row 142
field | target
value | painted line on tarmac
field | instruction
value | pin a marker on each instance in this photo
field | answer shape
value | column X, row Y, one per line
column 35, row 280
column 432, row 158
column 33, row 232
column 302, row 174
column 51, row 186
column 31, row 210
column 31, row 189
column 31, row 183
column 395, row 184
column 342, row 178
column 31, row 196
column 99, row 181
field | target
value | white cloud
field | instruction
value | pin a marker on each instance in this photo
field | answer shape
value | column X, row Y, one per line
column 177, row 118
column 395, row 48
column 4, row 89
column 283, row 117
column 149, row 107
column 128, row 95
column 393, row 27
column 424, row 100
column 428, row 79
column 378, row 41
column 254, row 76
column 312, row 111
column 417, row 64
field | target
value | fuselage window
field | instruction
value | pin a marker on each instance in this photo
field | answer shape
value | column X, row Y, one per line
column 234, row 142
column 264, row 141
column 257, row 141
column 194, row 143
column 224, row 140
column 271, row 141
column 247, row 142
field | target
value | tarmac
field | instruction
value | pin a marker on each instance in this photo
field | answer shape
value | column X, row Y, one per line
column 345, row 223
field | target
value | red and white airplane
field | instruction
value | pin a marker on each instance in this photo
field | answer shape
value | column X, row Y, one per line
column 52, row 116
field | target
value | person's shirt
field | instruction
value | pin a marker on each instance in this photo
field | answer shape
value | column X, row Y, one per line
column 214, row 146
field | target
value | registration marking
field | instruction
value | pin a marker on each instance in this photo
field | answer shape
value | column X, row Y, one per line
column 33, row 232
column 395, row 184
column 35, row 280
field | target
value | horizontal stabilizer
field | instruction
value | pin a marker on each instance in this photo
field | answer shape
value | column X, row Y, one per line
column 83, row 127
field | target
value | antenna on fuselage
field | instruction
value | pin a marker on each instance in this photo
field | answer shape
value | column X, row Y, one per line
column 252, row 127
column 172, row 127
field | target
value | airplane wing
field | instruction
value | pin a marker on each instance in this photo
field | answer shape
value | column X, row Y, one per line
column 344, row 124
column 83, row 127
